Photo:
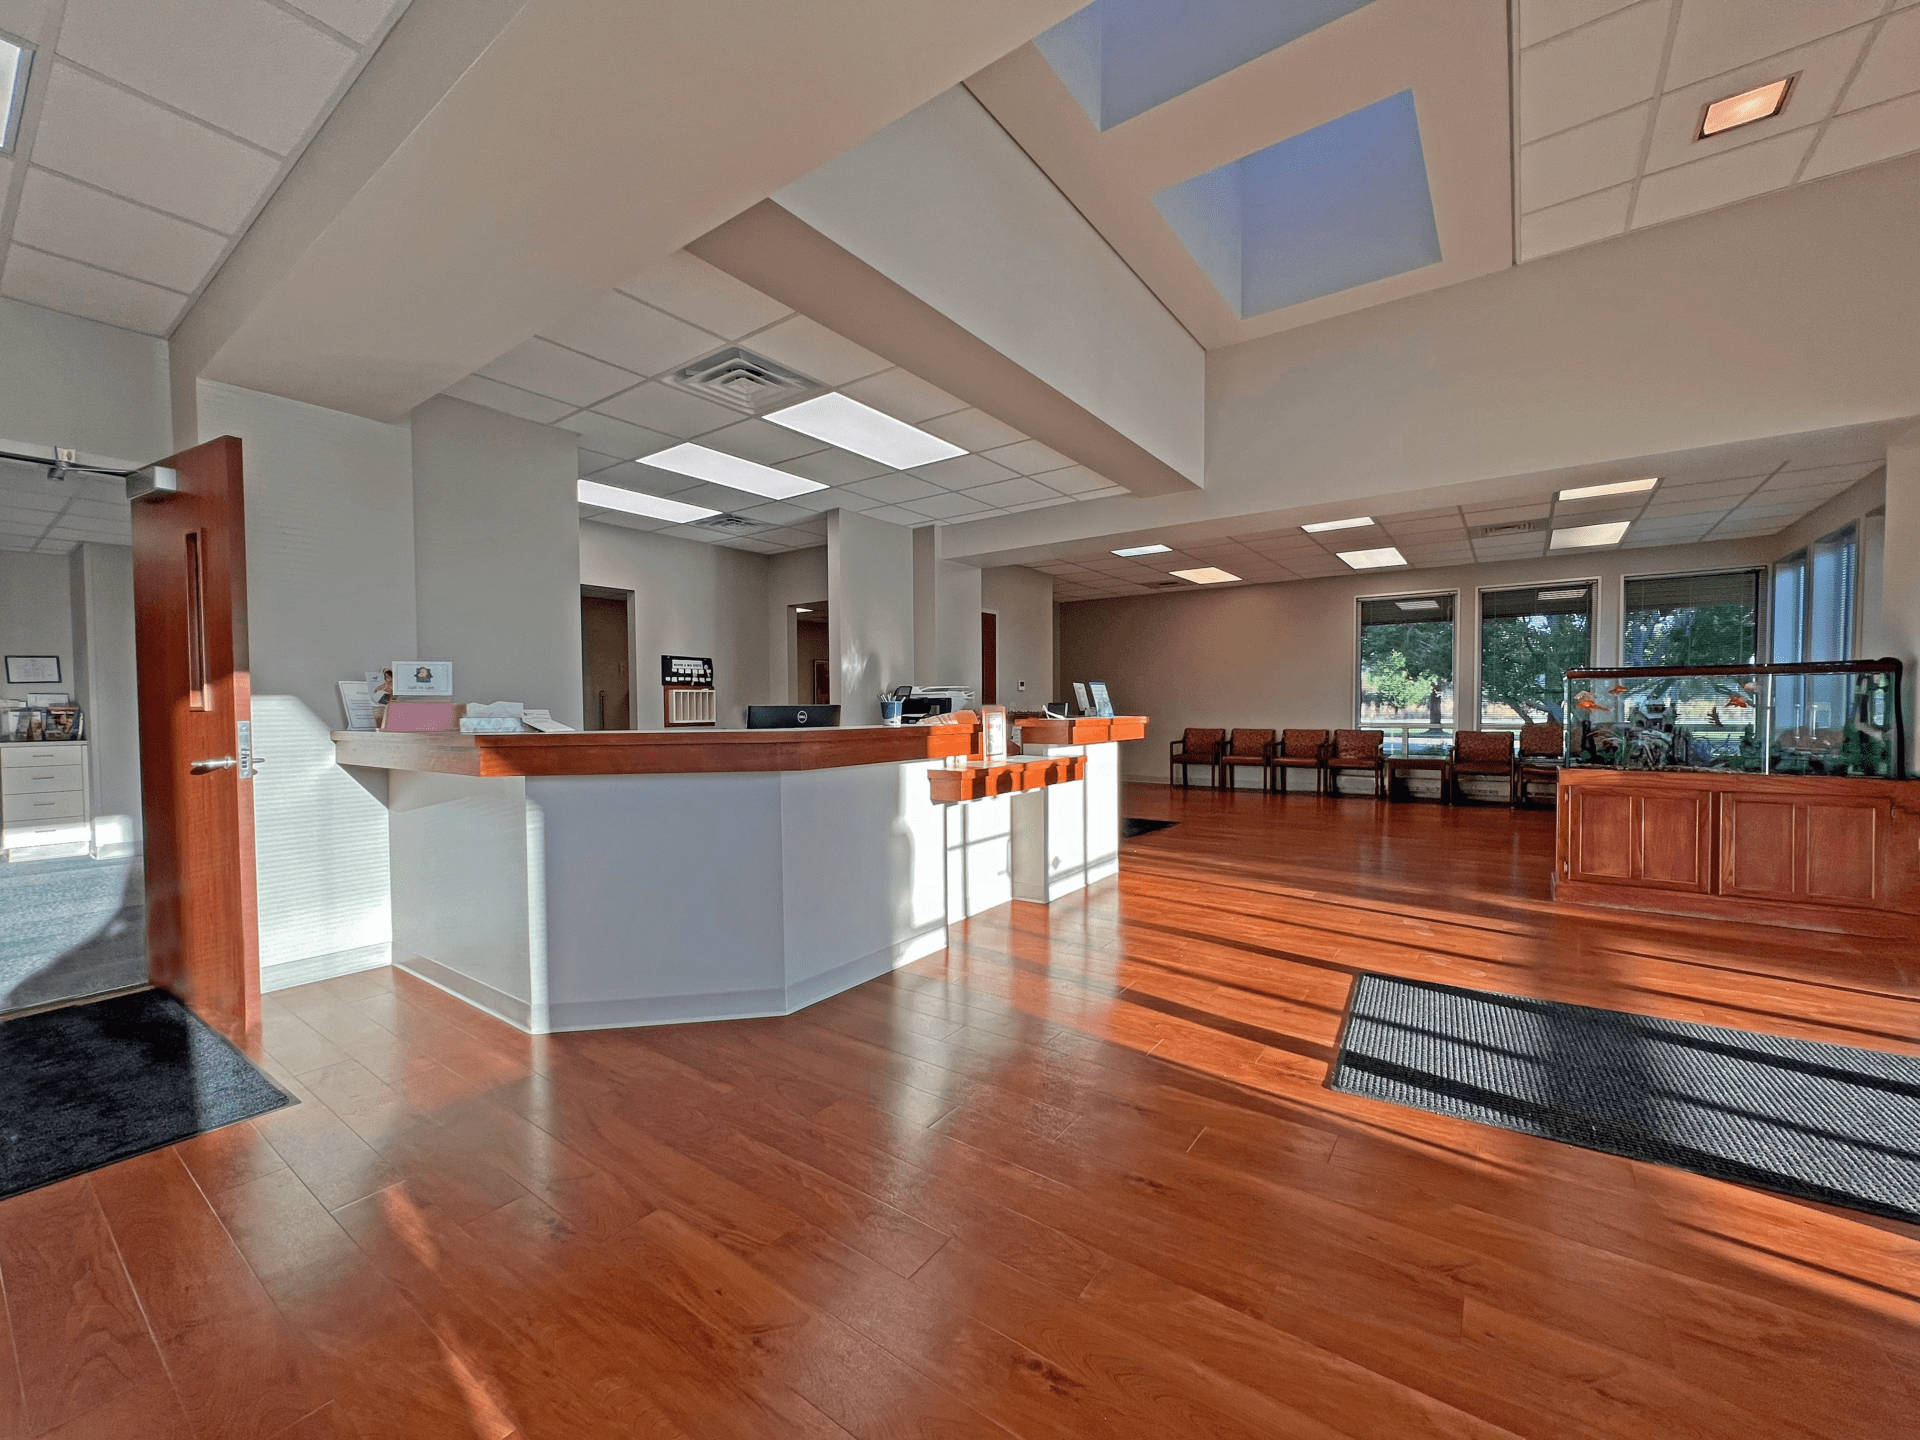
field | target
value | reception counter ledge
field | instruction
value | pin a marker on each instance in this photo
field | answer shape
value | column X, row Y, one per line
column 606, row 878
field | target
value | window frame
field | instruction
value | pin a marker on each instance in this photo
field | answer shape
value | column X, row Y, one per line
column 1359, row 629
column 1762, row 609
column 1595, row 585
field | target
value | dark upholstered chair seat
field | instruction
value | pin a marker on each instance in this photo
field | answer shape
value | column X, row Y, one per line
column 1359, row 750
column 1539, row 759
column 1195, row 747
column 1247, row 747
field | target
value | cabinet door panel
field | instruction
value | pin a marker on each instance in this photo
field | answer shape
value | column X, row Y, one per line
column 1674, row 841
column 1757, row 849
column 1603, row 837
column 1842, row 842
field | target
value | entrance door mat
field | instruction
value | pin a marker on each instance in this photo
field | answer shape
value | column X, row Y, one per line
column 1131, row 827
column 1821, row 1122
column 87, row 1085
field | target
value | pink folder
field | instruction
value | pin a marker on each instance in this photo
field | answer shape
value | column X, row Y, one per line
column 416, row 717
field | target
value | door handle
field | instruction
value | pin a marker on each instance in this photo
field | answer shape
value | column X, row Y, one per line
column 205, row 767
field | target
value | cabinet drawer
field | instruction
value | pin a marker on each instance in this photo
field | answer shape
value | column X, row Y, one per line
column 26, row 837
column 16, row 754
column 41, row 779
column 32, row 809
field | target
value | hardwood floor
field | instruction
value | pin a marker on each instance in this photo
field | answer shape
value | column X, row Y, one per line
column 1078, row 1176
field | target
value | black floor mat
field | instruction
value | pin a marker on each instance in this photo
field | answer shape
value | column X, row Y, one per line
column 1818, row 1121
column 1131, row 827
column 87, row 1085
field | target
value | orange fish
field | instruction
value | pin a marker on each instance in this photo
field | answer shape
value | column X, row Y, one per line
column 1739, row 702
column 1589, row 703
column 1618, row 690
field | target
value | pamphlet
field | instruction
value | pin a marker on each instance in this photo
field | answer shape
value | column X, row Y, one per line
column 1102, row 706
column 543, row 721
column 358, row 704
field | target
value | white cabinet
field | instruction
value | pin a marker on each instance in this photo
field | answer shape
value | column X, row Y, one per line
column 44, row 809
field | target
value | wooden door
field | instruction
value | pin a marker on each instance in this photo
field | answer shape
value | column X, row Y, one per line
column 989, row 658
column 196, row 721
column 605, row 648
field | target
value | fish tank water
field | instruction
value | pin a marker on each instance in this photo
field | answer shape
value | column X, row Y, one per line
column 1829, row 718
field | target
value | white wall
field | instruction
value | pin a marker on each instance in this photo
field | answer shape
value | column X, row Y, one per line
column 330, row 595
column 497, row 554
column 106, row 683
column 870, row 611
column 36, row 616
column 92, row 387
column 798, row 577
column 688, row 599
column 1022, row 599
column 1901, row 576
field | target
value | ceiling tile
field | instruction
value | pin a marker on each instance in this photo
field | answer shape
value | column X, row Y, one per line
column 894, row 489
column 686, row 286
column 548, row 369
column 964, row 472
column 835, row 467
column 1592, row 71
column 106, row 137
column 778, row 512
column 947, row 506
column 1030, row 457
column 654, row 481
column 98, row 229
column 592, row 462
column 1865, row 137
column 1040, row 505
column 358, row 20
column 895, row 515
column 816, row 351
column 244, row 65
column 1019, row 491
column 1544, row 19
column 1579, row 161
column 671, row 412
column 903, row 395
column 616, row 437
column 1823, row 69
column 1892, row 66
column 636, row 337
column 60, row 284
column 840, row 497
column 974, row 430
column 508, row 400
column 1075, row 480
column 1735, row 175
column 1715, row 36
column 763, row 441
column 1847, row 472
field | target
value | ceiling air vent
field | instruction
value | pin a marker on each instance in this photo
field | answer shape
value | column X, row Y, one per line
column 728, row 521
column 1517, row 527
column 743, row 381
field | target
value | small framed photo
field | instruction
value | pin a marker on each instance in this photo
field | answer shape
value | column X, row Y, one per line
column 417, row 679
column 33, row 669
column 1080, row 698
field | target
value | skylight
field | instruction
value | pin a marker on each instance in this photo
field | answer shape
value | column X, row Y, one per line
column 841, row 420
column 731, row 471
column 15, row 61
column 1343, row 204
column 1574, row 537
column 1619, row 487
column 1133, row 550
column 637, row 502
column 1209, row 575
column 1121, row 58
column 1373, row 559
column 1321, row 525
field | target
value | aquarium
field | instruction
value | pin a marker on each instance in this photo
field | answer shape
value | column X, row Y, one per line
column 1838, row 718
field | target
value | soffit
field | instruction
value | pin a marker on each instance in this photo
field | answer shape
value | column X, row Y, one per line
column 1454, row 60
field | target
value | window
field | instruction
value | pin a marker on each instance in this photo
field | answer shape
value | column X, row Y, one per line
column 1529, row 639
column 1692, row 619
column 1813, row 619
column 1406, row 668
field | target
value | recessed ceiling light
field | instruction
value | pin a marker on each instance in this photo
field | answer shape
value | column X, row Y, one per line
column 1133, row 550
column 1207, row 576
column 1748, row 106
column 1352, row 524
column 1373, row 559
column 637, row 502
column 803, row 609
column 15, row 61
column 1563, row 594
column 731, row 471
column 1418, row 604
column 1619, row 487
column 1575, row 536
column 841, row 420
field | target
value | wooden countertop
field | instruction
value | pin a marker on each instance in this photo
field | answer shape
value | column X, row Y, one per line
column 651, row 752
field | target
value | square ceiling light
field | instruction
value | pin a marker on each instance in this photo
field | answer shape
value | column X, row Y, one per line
column 15, row 61
column 1133, row 550
column 1373, row 559
column 1343, row 204
column 1762, row 102
column 731, row 471
column 1318, row 526
column 1618, row 487
column 841, row 420
column 638, row 502
column 1576, row 537
column 1209, row 575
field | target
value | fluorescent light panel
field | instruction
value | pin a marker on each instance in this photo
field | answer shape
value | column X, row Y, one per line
column 1761, row 103
column 1207, row 576
column 1133, row 550
column 1618, row 487
column 14, row 63
column 1373, row 559
column 1574, row 537
column 1418, row 604
column 1353, row 524
column 731, row 471
column 1563, row 594
column 637, row 502
column 843, row 421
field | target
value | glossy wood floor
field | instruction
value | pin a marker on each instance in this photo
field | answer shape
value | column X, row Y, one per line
column 1077, row 1177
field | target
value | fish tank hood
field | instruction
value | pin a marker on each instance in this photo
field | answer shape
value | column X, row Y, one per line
column 1839, row 718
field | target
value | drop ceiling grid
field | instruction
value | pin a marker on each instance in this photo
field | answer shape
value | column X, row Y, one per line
column 572, row 376
column 1611, row 95
column 153, row 133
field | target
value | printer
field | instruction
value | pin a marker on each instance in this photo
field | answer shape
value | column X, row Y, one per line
column 919, row 701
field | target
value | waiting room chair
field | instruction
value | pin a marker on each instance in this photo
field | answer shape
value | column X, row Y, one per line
column 1541, row 747
column 1195, row 747
column 1301, row 750
column 1248, row 747
column 1481, row 752
column 1358, row 750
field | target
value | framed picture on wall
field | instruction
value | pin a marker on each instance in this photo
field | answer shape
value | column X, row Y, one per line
column 414, row 679
column 33, row 669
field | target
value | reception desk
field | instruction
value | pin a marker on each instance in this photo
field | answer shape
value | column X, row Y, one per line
column 607, row 878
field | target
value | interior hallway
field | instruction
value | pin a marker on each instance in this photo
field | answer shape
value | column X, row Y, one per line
column 1077, row 1177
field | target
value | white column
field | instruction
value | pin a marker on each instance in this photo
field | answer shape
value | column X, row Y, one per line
column 1900, row 597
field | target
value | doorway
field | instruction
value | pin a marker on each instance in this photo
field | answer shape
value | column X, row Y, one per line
column 813, row 675
column 989, row 658
column 606, row 651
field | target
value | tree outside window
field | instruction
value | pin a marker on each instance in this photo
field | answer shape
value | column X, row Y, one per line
column 1406, row 661
column 1529, row 638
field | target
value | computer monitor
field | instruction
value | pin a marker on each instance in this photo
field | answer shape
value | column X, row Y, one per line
column 791, row 717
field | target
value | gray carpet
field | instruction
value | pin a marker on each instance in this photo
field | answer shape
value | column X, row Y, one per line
column 70, row 928
column 1818, row 1121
